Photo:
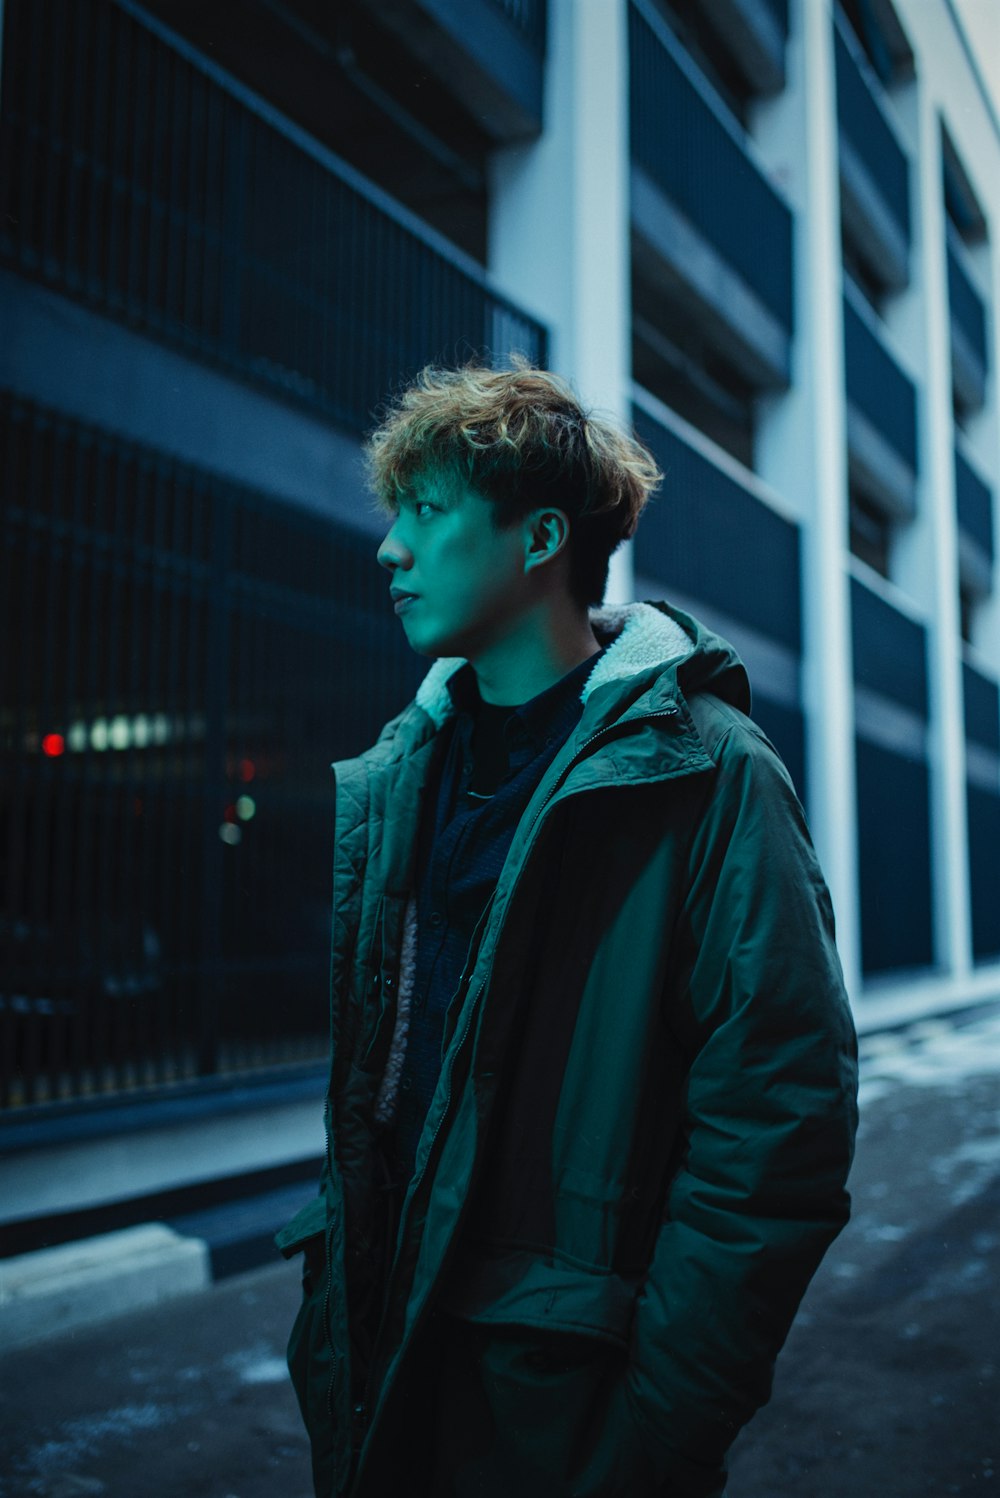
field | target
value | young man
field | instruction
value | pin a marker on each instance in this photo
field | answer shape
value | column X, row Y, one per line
column 592, row 1088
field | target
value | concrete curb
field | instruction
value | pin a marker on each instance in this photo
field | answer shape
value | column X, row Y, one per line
column 55, row 1290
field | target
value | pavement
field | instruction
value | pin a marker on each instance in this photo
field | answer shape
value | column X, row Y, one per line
column 888, row 1384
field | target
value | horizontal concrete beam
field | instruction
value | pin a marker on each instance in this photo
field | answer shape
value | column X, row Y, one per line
column 57, row 1290
column 71, row 1176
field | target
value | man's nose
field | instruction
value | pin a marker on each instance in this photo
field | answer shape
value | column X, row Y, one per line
column 393, row 553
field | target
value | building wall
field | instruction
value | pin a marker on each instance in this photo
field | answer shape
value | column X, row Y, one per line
column 763, row 231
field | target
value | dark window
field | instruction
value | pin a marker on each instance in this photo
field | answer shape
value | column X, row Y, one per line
column 960, row 201
column 894, row 860
column 676, row 362
column 967, row 613
column 871, row 532
column 882, row 39
column 706, row 48
column 984, row 870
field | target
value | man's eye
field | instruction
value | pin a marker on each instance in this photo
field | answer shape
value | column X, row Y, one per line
column 424, row 506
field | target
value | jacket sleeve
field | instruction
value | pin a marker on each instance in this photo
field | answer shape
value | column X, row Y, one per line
column 769, row 1121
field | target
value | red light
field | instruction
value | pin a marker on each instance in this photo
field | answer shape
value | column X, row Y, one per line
column 53, row 745
column 247, row 770
column 230, row 814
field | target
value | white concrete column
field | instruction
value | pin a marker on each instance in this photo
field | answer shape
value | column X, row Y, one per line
column 927, row 551
column 559, row 214
column 802, row 448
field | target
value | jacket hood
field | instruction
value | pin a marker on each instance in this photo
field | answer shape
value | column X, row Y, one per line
column 642, row 641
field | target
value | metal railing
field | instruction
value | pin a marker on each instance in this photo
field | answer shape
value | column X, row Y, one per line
column 676, row 545
column 677, row 541
column 878, row 387
column 190, row 657
column 700, row 160
column 968, row 310
column 895, row 885
column 138, row 177
column 974, row 501
column 529, row 16
column 983, row 812
column 862, row 120
column 779, row 10
column 889, row 650
column 981, row 699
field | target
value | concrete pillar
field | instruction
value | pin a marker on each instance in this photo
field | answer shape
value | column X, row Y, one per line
column 802, row 448
column 927, row 551
column 559, row 214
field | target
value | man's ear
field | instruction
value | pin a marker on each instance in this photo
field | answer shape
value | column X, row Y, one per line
column 546, row 533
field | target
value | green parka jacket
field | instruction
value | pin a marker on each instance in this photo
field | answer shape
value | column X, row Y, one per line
column 646, row 1110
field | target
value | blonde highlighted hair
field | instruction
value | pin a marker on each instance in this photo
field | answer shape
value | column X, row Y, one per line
column 523, row 441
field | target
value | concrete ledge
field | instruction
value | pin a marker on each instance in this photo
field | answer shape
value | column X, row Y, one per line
column 57, row 1290
column 71, row 1176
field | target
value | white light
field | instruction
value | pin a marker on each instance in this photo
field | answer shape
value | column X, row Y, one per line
column 98, row 734
column 141, row 731
column 119, row 733
column 245, row 807
column 230, row 833
column 160, row 728
column 76, row 738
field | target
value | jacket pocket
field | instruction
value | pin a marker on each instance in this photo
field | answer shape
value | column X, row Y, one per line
column 308, row 1222
column 543, row 1407
column 528, row 1288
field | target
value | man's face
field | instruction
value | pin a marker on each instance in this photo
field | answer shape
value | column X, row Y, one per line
column 464, row 582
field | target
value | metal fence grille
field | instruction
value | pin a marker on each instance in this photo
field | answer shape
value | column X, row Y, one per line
column 967, row 307
column 878, row 387
column 974, row 502
column 702, row 165
column 864, row 123
column 981, row 701
column 529, row 16
column 678, row 540
column 181, row 662
column 889, row 650
column 894, row 859
column 136, row 176
column 983, row 810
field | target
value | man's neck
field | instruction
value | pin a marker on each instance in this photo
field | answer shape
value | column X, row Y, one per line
column 533, row 658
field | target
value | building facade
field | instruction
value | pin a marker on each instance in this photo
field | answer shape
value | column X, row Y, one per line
column 763, row 232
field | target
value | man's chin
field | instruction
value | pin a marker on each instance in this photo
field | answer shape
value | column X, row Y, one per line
column 426, row 644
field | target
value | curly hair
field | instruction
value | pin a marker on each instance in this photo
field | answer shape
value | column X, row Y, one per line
column 522, row 440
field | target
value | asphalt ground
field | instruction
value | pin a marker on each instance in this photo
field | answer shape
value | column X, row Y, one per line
column 888, row 1384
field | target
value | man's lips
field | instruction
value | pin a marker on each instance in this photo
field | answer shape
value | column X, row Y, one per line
column 401, row 599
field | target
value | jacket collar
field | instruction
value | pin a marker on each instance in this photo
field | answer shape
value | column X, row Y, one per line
column 639, row 637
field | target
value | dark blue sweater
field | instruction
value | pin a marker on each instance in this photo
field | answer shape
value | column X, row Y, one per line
column 489, row 761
